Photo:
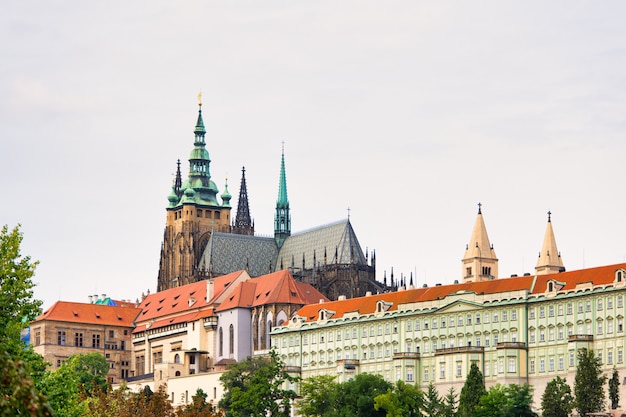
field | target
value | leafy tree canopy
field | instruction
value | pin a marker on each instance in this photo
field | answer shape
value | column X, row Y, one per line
column 403, row 400
column 557, row 400
column 319, row 394
column 506, row 401
column 357, row 395
column 255, row 388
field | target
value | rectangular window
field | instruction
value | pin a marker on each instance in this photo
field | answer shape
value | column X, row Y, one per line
column 531, row 313
column 354, row 332
column 347, row 334
column 599, row 327
column 158, row 357
column 551, row 365
column 487, row 340
column 451, row 321
column 409, row 347
column 495, row 339
column 37, row 338
column 551, row 311
column 542, row 365
column 609, row 357
column 609, row 326
column 609, row 303
column 477, row 340
column 580, row 307
column 338, row 335
column 111, row 334
column 434, row 345
column 599, row 304
column 477, row 318
column 409, row 374
column 532, row 366
column 469, row 319
column 531, row 336
column 560, row 363
column 442, row 371
column 305, row 339
column 459, row 369
column 560, row 309
column 571, row 359
column 409, row 326
column 425, row 374
column 619, row 301
column 588, row 306
column 495, row 317
column 511, row 365
column 504, row 316
column 514, row 336
column 460, row 321
column 380, row 330
column 551, row 334
column 78, row 339
column 600, row 357
column 486, row 318
column 542, row 312
column 569, row 309
column 542, row 335
column 434, row 323
column 417, row 324
column 620, row 325
column 514, row 315
column 501, row 366
column 560, row 333
column 61, row 338
column 387, row 329
column 619, row 356
column 443, row 322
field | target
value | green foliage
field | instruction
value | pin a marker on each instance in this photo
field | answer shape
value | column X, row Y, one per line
column 614, row 389
column 17, row 307
column 472, row 390
column 450, row 403
column 557, row 400
column 357, row 396
column 18, row 395
column 506, row 401
column 123, row 403
column 199, row 407
column 254, row 388
column 318, row 396
column 589, row 383
column 82, row 375
column 403, row 400
column 433, row 404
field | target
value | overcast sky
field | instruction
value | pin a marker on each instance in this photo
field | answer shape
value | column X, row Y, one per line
column 408, row 112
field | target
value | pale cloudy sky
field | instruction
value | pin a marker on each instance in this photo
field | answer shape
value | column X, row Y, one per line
column 408, row 112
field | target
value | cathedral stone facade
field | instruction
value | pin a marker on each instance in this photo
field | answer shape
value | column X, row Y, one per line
column 202, row 240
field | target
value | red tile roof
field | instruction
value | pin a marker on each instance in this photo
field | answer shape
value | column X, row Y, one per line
column 178, row 300
column 65, row 311
column 275, row 288
column 367, row 305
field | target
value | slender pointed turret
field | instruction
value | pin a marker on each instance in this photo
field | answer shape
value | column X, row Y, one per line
column 479, row 262
column 549, row 261
column 282, row 219
column 243, row 224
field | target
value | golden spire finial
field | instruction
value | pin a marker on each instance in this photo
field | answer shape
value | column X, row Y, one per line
column 200, row 99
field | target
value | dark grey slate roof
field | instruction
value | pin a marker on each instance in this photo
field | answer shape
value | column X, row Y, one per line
column 231, row 252
column 339, row 237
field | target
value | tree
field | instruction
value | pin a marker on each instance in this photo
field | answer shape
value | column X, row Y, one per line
column 199, row 407
column 404, row 400
column 450, row 403
column 123, row 403
column 21, row 366
column 433, row 405
column 557, row 400
column 472, row 390
column 80, row 376
column 614, row 389
column 254, row 388
column 506, row 401
column 17, row 306
column 318, row 396
column 589, row 383
column 356, row 396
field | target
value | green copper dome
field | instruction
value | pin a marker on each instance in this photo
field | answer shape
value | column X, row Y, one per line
column 226, row 196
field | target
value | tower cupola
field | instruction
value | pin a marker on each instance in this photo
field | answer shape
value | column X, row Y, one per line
column 479, row 262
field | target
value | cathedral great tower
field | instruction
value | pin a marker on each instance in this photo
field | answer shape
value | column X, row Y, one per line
column 193, row 213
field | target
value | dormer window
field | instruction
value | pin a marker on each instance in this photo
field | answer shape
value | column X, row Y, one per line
column 382, row 306
column 554, row 286
column 619, row 275
column 325, row 314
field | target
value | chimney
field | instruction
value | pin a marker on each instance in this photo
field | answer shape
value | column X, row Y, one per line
column 90, row 299
column 341, row 297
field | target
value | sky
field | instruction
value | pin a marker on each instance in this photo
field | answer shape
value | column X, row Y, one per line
column 409, row 113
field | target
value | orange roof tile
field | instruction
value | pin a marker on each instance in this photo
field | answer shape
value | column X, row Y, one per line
column 275, row 288
column 367, row 305
column 71, row 312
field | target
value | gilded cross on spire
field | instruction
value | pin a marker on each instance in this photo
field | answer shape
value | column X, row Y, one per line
column 200, row 99
column 479, row 206
column 549, row 214
column 348, row 213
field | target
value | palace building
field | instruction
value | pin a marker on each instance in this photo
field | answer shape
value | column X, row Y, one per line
column 518, row 330
column 202, row 240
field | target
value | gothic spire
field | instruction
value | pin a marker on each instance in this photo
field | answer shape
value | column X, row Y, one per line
column 282, row 219
column 243, row 223
column 549, row 258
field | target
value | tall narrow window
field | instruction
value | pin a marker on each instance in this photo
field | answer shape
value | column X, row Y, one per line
column 221, row 342
column 231, row 339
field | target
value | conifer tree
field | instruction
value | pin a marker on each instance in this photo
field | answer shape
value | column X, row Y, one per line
column 557, row 400
column 471, row 392
column 589, row 383
column 614, row 389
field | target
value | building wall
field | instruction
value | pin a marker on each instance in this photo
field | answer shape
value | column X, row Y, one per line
column 514, row 337
column 57, row 341
column 240, row 320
